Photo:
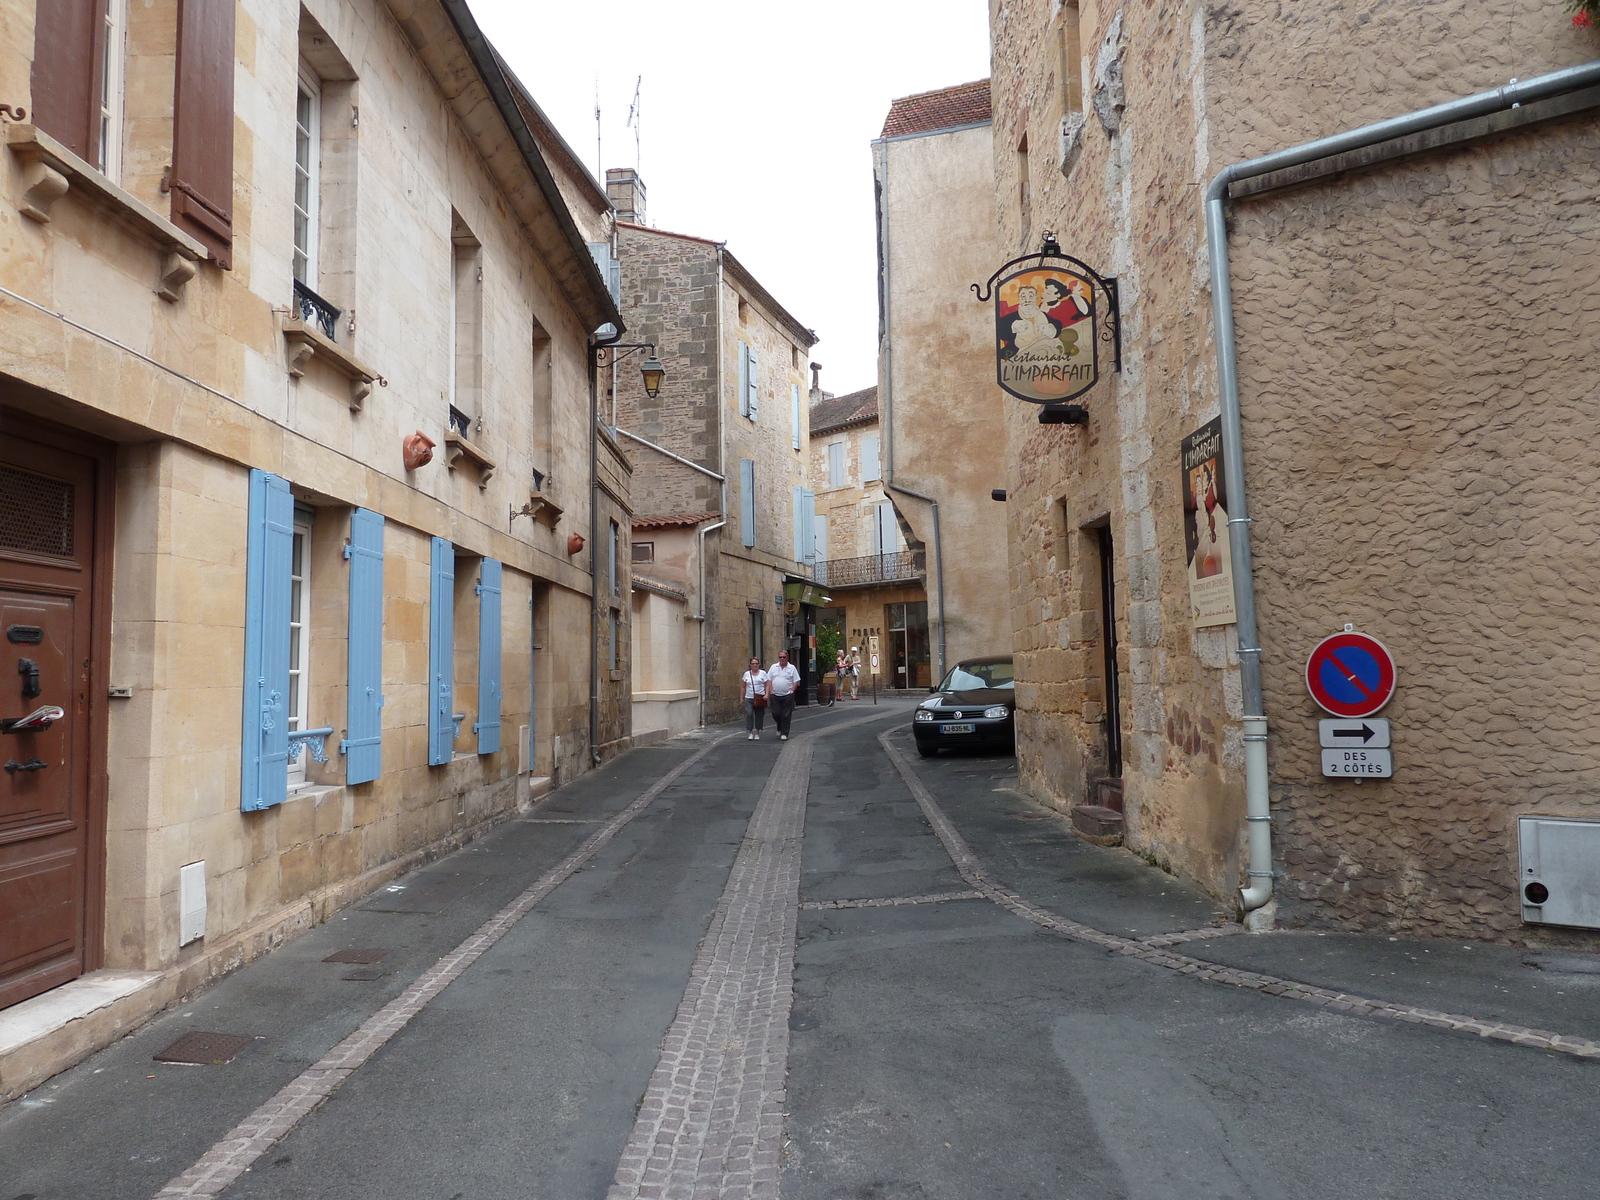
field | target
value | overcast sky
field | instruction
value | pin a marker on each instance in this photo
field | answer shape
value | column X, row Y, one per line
column 756, row 124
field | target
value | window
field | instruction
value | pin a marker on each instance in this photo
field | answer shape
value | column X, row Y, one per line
column 616, row 540
column 819, row 537
column 112, row 59
column 299, row 635
column 1024, row 195
column 835, row 464
column 869, row 458
column 758, row 640
column 794, row 413
column 307, row 162
column 644, row 552
column 614, row 616
column 466, row 328
column 1070, row 71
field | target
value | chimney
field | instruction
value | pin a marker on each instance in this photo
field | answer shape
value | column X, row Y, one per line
column 625, row 190
column 816, row 382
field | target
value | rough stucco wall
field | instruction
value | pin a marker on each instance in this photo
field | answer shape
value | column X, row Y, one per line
column 944, row 430
column 1419, row 386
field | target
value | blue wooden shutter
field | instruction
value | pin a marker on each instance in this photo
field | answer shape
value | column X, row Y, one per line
column 489, row 689
column 755, row 383
column 797, row 509
column 442, row 654
column 269, row 550
column 869, row 458
column 808, row 527
column 744, row 380
column 363, row 741
column 747, row 501
column 794, row 412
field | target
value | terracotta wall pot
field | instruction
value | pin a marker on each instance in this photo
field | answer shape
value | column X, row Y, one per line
column 417, row 450
column 574, row 543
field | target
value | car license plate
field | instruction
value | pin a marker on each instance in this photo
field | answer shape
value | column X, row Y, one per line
column 959, row 728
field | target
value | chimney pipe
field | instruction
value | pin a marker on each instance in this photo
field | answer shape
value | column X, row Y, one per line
column 625, row 190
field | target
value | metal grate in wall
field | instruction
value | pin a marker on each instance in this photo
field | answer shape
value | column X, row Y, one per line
column 35, row 513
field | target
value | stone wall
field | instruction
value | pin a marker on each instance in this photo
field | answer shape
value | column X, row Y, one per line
column 207, row 394
column 850, row 507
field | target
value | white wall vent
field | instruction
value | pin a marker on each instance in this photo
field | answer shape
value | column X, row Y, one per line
column 524, row 751
column 1560, row 877
column 191, row 902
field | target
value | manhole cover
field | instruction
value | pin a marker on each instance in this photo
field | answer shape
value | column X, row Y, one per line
column 357, row 956
column 204, row 1048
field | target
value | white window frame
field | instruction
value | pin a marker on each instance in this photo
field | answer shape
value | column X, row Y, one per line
column 309, row 136
column 299, row 698
column 113, row 76
column 838, row 467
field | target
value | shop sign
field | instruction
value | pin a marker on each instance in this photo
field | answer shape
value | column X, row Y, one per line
column 804, row 593
column 1205, row 528
column 1054, row 316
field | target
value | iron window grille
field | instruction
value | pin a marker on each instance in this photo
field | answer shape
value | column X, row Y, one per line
column 314, row 310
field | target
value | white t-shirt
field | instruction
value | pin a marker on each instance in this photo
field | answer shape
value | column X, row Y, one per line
column 784, row 679
column 752, row 682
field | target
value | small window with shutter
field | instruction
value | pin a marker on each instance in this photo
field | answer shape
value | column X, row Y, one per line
column 835, row 464
column 307, row 175
column 363, row 742
column 869, row 458
column 268, row 616
column 68, row 64
column 747, row 501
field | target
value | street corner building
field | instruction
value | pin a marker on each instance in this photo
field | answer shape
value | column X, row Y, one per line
column 308, row 543
column 723, row 530
column 940, row 429
column 1328, row 371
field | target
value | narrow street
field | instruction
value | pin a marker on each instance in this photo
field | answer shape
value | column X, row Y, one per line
column 639, row 1019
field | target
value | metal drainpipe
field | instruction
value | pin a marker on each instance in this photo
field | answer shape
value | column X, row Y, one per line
column 595, row 346
column 1257, row 800
column 722, row 478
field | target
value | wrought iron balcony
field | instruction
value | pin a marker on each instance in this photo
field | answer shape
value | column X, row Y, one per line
column 314, row 310
column 899, row 567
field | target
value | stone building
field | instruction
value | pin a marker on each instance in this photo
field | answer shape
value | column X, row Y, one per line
column 296, row 654
column 874, row 581
column 720, row 454
column 941, row 414
column 1416, row 388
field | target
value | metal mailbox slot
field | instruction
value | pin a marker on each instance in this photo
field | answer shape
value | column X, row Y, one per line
column 1559, row 881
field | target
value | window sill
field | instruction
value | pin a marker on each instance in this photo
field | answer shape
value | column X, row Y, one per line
column 49, row 170
column 457, row 447
column 545, row 511
column 306, row 342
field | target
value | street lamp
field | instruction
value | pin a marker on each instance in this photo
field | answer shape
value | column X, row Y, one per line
column 652, row 370
column 653, row 373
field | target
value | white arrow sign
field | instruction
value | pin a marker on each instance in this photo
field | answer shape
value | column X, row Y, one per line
column 1369, row 733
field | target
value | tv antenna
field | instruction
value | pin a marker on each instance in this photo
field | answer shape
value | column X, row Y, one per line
column 599, row 156
column 635, row 121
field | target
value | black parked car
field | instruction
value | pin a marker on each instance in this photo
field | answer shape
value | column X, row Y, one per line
column 974, row 705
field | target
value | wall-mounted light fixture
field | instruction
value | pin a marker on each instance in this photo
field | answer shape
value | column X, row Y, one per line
column 651, row 370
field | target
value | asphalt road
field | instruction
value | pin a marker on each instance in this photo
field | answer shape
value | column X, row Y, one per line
column 936, row 1048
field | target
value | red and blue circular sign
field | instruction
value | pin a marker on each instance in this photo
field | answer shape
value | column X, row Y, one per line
column 1350, row 674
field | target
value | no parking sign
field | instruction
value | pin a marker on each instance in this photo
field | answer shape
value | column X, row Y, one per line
column 1350, row 674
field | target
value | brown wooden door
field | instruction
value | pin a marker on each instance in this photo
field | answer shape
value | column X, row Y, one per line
column 48, row 593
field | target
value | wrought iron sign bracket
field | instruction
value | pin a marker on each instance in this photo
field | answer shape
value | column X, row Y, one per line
column 1039, row 355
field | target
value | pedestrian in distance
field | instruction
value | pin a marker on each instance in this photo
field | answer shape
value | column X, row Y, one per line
column 754, row 683
column 852, row 664
column 782, row 680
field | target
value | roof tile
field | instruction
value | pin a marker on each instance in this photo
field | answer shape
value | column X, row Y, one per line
column 963, row 104
column 845, row 410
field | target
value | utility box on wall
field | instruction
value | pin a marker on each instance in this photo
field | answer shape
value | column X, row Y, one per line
column 1559, row 882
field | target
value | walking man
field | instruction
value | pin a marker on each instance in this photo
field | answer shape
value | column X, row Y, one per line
column 853, row 664
column 782, row 680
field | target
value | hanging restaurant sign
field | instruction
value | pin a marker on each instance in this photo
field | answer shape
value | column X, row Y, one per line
column 1051, row 314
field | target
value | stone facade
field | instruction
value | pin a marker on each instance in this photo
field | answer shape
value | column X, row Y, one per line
column 187, row 381
column 705, row 314
column 1431, row 496
column 941, row 413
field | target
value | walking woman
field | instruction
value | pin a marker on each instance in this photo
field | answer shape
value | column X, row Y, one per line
column 754, row 682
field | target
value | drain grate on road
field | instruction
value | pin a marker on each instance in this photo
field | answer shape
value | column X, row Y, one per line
column 364, row 957
column 204, row 1049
